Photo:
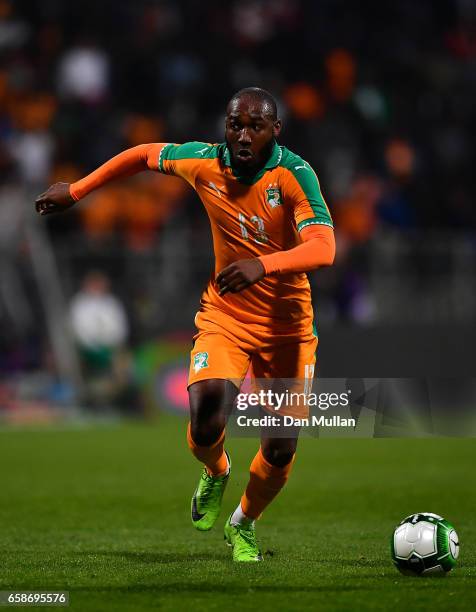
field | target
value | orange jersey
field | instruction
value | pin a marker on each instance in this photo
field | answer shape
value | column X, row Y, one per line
column 252, row 217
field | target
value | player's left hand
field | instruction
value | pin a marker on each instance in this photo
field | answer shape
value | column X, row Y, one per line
column 239, row 275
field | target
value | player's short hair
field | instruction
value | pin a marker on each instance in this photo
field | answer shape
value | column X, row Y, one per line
column 261, row 95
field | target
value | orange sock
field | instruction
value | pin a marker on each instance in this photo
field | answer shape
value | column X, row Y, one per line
column 212, row 456
column 266, row 481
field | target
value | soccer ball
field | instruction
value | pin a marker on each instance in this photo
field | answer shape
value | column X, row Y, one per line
column 423, row 544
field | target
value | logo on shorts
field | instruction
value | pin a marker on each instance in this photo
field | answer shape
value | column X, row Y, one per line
column 200, row 361
column 273, row 196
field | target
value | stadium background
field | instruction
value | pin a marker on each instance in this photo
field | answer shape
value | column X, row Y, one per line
column 379, row 99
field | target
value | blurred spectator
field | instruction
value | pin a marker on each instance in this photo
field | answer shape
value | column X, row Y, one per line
column 398, row 206
column 13, row 31
column 341, row 73
column 100, row 327
column 304, row 101
column 84, row 74
column 30, row 142
column 355, row 215
column 99, row 321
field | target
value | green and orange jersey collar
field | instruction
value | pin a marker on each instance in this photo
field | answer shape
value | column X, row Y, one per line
column 273, row 161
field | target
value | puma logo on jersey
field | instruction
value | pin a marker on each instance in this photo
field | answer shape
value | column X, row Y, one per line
column 217, row 189
column 202, row 151
column 304, row 167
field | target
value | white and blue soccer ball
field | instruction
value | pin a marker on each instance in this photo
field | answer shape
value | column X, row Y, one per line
column 424, row 543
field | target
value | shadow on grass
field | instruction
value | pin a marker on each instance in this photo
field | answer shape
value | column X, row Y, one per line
column 165, row 558
column 359, row 562
column 183, row 588
column 159, row 557
column 192, row 557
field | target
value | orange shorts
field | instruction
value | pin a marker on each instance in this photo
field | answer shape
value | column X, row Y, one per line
column 225, row 348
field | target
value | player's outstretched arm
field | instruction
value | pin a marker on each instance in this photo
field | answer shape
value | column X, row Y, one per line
column 61, row 196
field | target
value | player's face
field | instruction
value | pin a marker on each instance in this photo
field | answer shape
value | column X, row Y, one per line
column 250, row 133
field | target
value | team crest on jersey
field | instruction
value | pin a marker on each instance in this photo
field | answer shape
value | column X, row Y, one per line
column 200, row 361
column 273, row 196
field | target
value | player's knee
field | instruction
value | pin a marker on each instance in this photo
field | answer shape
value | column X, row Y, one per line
column 205, row 434
column 207, row 396
column 278, row 454
column 206, row 426
column 207, row 411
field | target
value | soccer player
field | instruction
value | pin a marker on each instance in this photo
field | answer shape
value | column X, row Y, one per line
column 270, row 225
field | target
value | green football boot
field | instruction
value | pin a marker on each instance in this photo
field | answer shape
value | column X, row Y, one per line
column 206, row 501
column 242, row 538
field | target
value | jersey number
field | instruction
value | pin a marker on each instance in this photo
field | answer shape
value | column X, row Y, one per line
column 258, row 233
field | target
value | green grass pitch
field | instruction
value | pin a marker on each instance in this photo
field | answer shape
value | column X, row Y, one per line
column 104, row 513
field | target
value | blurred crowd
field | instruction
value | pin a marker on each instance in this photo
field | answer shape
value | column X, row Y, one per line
column 378, row 97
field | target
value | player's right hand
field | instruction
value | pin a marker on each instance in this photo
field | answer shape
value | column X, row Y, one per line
column 56, row 198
